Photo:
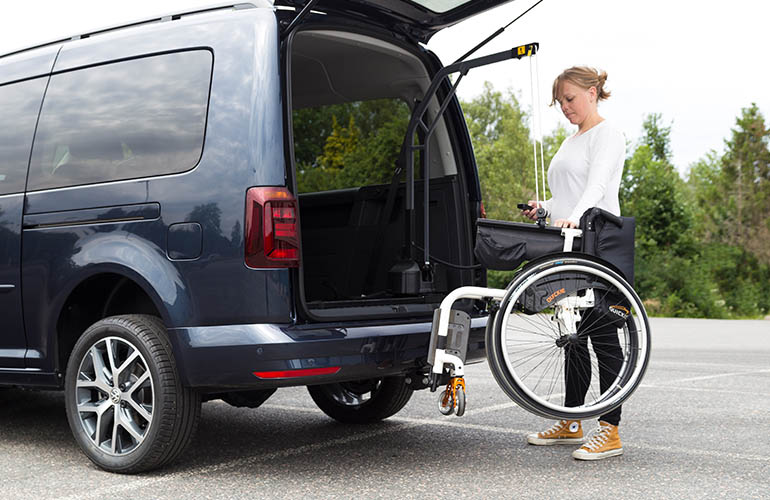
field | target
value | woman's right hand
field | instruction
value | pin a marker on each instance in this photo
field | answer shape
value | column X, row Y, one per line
column 531, row 214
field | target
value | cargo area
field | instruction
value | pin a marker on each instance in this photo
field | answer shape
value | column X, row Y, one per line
column 352, row 97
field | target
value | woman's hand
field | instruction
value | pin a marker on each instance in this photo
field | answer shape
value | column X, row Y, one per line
column 531, row 214
column 564, row 223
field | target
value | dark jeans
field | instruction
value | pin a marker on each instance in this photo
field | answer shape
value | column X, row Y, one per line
column 577, row 369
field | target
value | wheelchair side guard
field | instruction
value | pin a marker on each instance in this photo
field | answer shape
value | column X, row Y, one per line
column 450, row 331
column 455, row 342
column 553, row 289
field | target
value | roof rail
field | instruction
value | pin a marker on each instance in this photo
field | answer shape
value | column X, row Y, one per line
column 161, row 19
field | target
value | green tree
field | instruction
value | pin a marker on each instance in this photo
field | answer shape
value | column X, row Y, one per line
column 504, row 152
column 746, row 183
column 653, row 192
column 332, row 156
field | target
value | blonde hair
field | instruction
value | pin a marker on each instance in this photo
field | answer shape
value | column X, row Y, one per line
column 585, row 78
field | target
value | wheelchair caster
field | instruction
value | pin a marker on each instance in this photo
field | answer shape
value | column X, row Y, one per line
column 446, row 404
column 452, row 399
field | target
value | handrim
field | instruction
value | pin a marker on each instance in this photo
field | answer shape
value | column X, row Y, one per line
column 616, row 395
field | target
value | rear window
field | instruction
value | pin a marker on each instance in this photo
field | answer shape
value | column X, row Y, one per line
column 124, row 120
column 348, row 145
column 19, row 105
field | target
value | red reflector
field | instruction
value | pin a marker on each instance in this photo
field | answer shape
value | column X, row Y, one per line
column 305, row 372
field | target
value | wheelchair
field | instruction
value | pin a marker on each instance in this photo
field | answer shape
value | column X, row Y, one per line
column 570, row 317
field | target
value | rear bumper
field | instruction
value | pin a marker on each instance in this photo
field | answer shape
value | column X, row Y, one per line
column 215, row 358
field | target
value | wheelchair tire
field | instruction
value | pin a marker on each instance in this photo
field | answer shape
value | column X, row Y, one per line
column 566, row 313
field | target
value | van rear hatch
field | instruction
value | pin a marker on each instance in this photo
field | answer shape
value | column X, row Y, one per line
column 352, row 95
column 418, row 19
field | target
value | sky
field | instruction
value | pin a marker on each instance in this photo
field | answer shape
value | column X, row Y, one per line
column 695, row 62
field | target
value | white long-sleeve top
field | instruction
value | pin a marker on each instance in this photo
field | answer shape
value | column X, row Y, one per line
column 586, row 172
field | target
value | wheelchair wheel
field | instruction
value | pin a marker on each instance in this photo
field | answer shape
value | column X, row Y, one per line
column 571, row 339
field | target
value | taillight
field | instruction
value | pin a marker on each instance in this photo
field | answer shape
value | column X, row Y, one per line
column 271, row 228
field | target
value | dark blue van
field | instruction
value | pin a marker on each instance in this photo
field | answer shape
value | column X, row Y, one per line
column 176, row 225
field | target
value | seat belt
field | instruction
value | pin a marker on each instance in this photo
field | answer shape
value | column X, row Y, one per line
column 390, row 201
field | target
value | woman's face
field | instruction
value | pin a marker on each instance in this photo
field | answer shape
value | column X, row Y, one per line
column 577, row 103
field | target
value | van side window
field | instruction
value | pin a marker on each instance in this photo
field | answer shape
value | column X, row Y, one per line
column 19, row 106
column 124, row 120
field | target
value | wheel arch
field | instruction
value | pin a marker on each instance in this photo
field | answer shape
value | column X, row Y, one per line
column 106, row 290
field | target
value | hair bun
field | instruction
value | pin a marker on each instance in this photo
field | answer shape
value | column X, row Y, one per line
column 584, row 77
column 602, row 75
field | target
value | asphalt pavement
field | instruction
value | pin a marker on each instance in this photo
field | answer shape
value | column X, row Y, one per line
column 698, row 427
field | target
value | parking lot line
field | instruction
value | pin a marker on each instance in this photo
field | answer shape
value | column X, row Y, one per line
column 402, row 423
column 126, row 483
column 704, row 389
column 718, row 375
column 456, row 423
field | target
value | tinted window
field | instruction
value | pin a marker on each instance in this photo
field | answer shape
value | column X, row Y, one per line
column 19, row 105
column 348, row 145
column 123, row 120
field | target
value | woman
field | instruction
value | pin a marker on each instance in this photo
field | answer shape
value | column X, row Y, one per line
column 585, row 173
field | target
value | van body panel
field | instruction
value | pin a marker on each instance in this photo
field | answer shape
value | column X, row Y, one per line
column 95, row 224
column 19, row 108
column 29, row 64
column 227, row 356
column 224, row 320
column 13, row 343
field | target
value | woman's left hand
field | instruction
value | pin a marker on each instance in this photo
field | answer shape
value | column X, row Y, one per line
column 564, row 223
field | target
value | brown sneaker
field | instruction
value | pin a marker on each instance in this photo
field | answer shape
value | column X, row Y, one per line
column 604, row 443
column 562, row 432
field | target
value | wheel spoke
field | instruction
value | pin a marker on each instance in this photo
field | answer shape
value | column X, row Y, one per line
column 111, row 358
column 98, row 408
column 140, row 409
column 100, row 369
column 130, row 426
column 99, row 384
column 104, row 424
column 130, row 359
column 140, row 381
column 115, row 433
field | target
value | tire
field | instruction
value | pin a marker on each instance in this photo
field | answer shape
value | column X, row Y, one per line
column 362, row 402
column 532, row 338
column 460, row 391
column 157, row 415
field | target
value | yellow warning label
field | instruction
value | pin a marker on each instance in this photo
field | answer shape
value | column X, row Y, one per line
column 521, row 50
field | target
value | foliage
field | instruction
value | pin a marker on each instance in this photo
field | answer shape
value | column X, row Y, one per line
column 505, row 157
column 363, row 152
column 702, row 244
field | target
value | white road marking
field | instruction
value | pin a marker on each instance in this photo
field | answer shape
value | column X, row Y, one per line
column 704, row 389
column 733, row 366
column 126, row 483
column 708, row 377
column 718, row 375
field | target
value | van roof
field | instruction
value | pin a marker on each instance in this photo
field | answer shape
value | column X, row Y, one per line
column 168, row 17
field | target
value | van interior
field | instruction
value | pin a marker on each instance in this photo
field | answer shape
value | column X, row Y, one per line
column 352, row 97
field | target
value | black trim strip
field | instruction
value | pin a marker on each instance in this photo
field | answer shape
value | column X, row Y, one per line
column 102, row 215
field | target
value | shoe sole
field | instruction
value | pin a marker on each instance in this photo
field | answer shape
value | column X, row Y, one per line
column 596, row 456
column 552, row 441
